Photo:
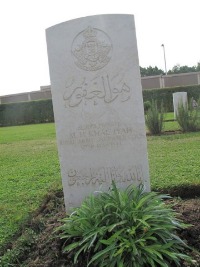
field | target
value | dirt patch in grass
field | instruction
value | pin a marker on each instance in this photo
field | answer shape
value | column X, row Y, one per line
column 46, row 249
column 186, row 191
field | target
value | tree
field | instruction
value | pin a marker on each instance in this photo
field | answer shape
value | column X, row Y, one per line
column 150, row 71
column 182, row 69
column 198, row 66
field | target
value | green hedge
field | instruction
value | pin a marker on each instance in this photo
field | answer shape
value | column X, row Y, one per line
column 42, row 110
column 166, row 95
column 26, row 112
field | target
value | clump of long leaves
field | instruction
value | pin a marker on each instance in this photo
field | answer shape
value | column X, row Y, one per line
column 154, row 118
column 188, row 117
column 128, row 228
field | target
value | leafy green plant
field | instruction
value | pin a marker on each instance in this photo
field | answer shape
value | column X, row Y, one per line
column 188, row 117
column 124, row 228
column 147, row 105
column 154, row 118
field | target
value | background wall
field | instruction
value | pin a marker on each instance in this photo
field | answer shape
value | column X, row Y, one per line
column 150, row 82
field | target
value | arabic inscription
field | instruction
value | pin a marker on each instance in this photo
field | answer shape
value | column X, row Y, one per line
column 101, row 87
column 102, row 175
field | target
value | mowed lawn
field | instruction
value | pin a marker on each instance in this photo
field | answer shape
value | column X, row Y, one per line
column 29, row 168
column 174, row 160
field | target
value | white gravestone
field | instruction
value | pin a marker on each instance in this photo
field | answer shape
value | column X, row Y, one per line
column 179, row 98
column 98, row 105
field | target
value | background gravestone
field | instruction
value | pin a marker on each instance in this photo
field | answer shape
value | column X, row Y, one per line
column 179, row 98
column 98, row 105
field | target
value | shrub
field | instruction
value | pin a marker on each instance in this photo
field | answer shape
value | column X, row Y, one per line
column 165, row 95
column 147, row 105
column 26, row 112
column 154, row 119
column 188, row 118
column 124, row 228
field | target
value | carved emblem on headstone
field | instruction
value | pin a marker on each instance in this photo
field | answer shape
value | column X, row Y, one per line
column 91, row 49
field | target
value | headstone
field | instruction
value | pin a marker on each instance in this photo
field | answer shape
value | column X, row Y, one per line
column 98, row 105
column 179, row 98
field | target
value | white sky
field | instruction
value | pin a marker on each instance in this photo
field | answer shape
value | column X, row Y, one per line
column 23, row 53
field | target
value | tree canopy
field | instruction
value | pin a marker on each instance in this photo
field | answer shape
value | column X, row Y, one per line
column 150, row 71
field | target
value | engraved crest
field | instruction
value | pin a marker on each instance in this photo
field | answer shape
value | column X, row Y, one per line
column 92, row 49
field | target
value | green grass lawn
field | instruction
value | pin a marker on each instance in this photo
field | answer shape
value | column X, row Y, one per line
column 174, row 160
column 171, row 126
column 29, row 168
column 169, row 116
column 169, row 123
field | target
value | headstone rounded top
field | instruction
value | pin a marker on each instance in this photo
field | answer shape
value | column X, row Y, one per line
column 90, row 17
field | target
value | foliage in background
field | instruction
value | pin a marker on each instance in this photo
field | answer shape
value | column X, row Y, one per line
column 150, row 71
column 42, row 111
column 125, row 228
column 154, row 118
column 26, row 112
column 188, row 117
column 165, row 95
column 184, row 69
